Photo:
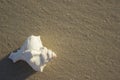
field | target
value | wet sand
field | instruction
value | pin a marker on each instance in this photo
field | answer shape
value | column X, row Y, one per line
column 85, row 35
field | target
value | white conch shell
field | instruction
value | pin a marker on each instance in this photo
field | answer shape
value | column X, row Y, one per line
column 33, row 52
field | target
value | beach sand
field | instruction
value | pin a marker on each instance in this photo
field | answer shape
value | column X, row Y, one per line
column 85, row 35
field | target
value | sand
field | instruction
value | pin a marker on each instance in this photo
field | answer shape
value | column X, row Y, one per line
column 85, row 35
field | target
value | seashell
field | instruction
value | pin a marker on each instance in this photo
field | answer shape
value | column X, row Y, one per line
column 34, row 53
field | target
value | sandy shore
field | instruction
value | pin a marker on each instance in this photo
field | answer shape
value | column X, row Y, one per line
column 85, row 34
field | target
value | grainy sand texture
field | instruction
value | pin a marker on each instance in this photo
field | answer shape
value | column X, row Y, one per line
column 85, row 35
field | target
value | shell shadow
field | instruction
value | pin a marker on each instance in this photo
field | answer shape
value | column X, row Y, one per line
column 14, row 71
